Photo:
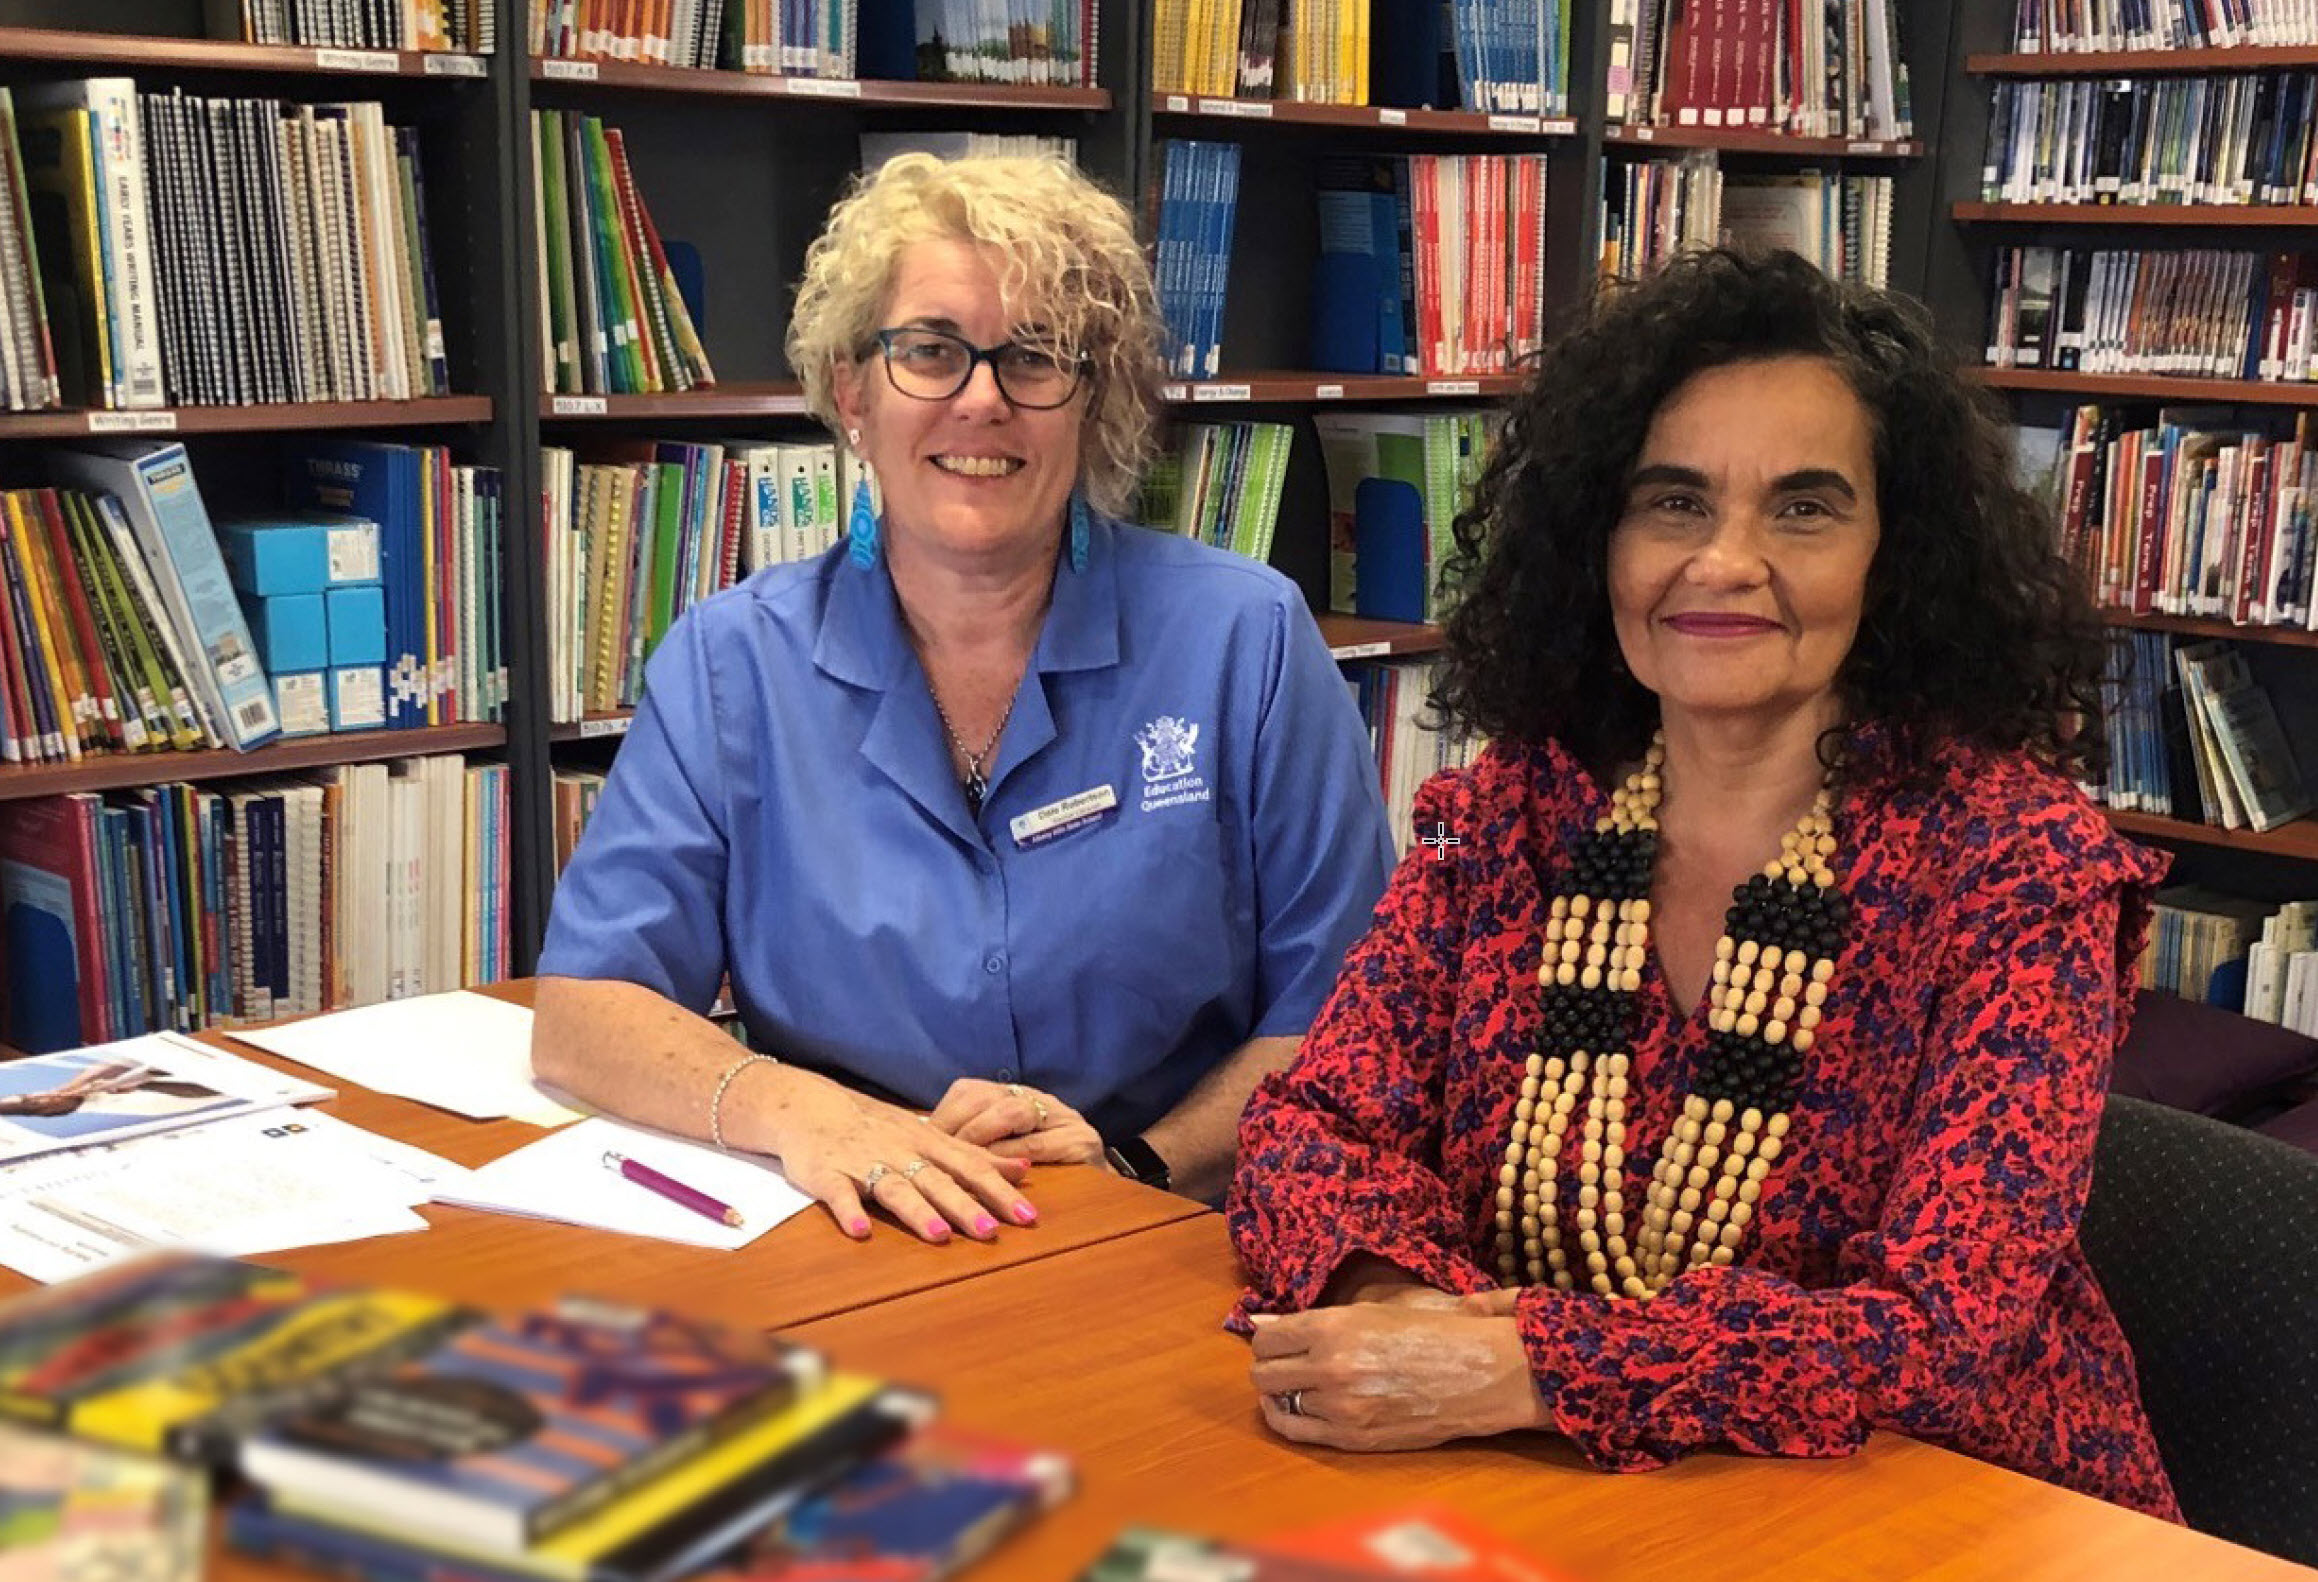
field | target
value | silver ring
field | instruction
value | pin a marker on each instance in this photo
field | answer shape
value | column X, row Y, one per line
column 1038, row 1109
column 1014, row 1090
column 909, row 1172
column 876, row 1173
column 1291, row 1403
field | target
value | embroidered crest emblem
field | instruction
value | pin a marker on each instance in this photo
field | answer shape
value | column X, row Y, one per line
column 1169, row 747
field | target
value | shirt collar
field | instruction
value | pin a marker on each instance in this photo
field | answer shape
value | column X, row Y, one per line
column 861, row 641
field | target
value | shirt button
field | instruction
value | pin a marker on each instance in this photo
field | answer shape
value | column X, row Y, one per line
column 1006, row 1073
column 993, row 963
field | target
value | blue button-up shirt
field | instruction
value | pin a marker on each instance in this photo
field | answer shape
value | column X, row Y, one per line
column 785, row 811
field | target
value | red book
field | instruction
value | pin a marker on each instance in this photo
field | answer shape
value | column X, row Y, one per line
column 69, row 575
column 1424, row 1540
column 2150, row 566
column 51, row 932
column 2254, row 514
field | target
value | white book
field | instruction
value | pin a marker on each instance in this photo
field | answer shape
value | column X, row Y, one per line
column 2261, row 764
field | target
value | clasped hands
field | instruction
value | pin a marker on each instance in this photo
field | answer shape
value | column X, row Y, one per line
column 958, row 1169
column 1396, row 1366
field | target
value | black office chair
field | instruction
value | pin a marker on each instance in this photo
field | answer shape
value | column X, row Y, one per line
column 2205, row 1239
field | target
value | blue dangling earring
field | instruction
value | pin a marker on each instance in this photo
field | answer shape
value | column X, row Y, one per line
column 861, row 530
column 1081, row 529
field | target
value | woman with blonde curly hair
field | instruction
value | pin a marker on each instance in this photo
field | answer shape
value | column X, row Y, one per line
column 1022, row 836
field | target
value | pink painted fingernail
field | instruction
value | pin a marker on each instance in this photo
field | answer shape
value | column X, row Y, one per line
column 1024, row 1214
column 937, row 1230
column 859, row 1227
column 984, row 1225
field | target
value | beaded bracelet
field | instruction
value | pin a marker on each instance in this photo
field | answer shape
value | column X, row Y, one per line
column 716, row 1103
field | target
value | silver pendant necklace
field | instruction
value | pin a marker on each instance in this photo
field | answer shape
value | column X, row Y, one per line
column 977, row 784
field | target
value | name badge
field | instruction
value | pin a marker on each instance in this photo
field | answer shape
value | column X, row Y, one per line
column 1067, row 817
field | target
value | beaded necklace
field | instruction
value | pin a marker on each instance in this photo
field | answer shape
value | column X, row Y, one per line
column 1772, row 968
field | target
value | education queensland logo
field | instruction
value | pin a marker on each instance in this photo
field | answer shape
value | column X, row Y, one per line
column 1171, row 778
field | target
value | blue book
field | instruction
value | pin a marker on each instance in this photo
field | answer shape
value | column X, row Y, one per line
column 1388, row 529
column 382, row 483
column 119, row 865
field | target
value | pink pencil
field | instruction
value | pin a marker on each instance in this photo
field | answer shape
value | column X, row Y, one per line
column 672, row 1189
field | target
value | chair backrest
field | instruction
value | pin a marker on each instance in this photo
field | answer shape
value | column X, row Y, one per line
column 2205, row 1239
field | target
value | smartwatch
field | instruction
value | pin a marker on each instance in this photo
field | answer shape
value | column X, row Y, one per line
column 1137, row 1160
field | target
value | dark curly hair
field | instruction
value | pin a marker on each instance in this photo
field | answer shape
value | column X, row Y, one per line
column 1975, row 627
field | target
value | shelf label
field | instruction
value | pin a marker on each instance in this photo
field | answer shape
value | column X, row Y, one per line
column 1221, row 393
column 1453, row 387
column 132, row 422
column 1516, row 123
column 1644, row 134
column 824, row 88
column 591, row 729
column 439, row 64
column 1360, row 651
column 576, row 406
column 1866, row 147
column 568, row 70
column 1245, row 109
column 1174, row 392
column 1385, row 117
column 1558, row 128
column 1327, row 392
column 375, row 60
column 1177, row 104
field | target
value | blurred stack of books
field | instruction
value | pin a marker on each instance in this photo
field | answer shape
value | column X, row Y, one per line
column 386, row 1435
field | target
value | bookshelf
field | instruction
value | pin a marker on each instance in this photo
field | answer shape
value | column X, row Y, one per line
column 132, row 53
column 276, row 418
column 121, row 771
column 1958, row 286
column 1740, row 140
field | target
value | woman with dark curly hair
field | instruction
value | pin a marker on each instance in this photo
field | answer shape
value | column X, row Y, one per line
column 1729, row 1074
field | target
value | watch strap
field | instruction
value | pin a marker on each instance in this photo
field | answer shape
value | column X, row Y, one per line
column 1133, row 1157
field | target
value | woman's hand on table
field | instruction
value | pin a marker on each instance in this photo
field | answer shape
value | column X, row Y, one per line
column 848, row 1150
column 1385, row 1376
column 1017, row 1122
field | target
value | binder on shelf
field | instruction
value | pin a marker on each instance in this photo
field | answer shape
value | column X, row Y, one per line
column 154, row 485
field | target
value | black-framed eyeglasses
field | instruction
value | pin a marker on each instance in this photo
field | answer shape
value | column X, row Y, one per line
column 934, row 365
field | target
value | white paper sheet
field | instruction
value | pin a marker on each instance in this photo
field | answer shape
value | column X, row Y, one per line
column 243, row 1185
column 106, row 1093
column 562, row 1177
column 462, row 1052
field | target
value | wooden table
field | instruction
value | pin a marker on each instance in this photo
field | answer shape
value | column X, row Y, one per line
column 1114, row 1354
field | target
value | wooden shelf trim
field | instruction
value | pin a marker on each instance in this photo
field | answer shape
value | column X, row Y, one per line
column 2201, row 626
column 2298, row 839
column 114, row 771
column 1235, row 389
column 204, row 54
column 2170, row 62
column 716, row 401
column 1357, row 637
column 630, row 75
column 1744, row 140
column 74, row 423
column 1367, row 117
column 2251, row 216
column 2151, row 387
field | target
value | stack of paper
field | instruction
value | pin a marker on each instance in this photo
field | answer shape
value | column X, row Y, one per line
column 462, row 1052
column 563, row 1177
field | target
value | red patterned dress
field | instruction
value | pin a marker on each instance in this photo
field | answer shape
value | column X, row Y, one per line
column 1915, row 1262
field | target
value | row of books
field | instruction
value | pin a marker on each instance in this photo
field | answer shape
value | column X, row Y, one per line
column 577, row 791
column 1392, row 700
column 1198, row 201
column 1050, row 42
column 470, row 26
column 2197, row 312
column 1307, row 51
column 28, row 373
column 578, row 1438
column 1430, row 264
column 184, row 907
column 612, row 320
column 792, row 38
column 643, row 530
column 2282, row 969
column 1837, row 71
column 878, row 147
column 1220, row 483
column 2194, row 515
column 1396, row 482
column 1510, row 58
column 2198, row 947
column 2194, row 736
column 2080, row 26
column 687, row 33
column 2239, row 139
column 1652, row 209
column 204, row 251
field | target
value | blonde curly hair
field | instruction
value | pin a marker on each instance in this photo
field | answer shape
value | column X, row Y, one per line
column 1067, row 257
